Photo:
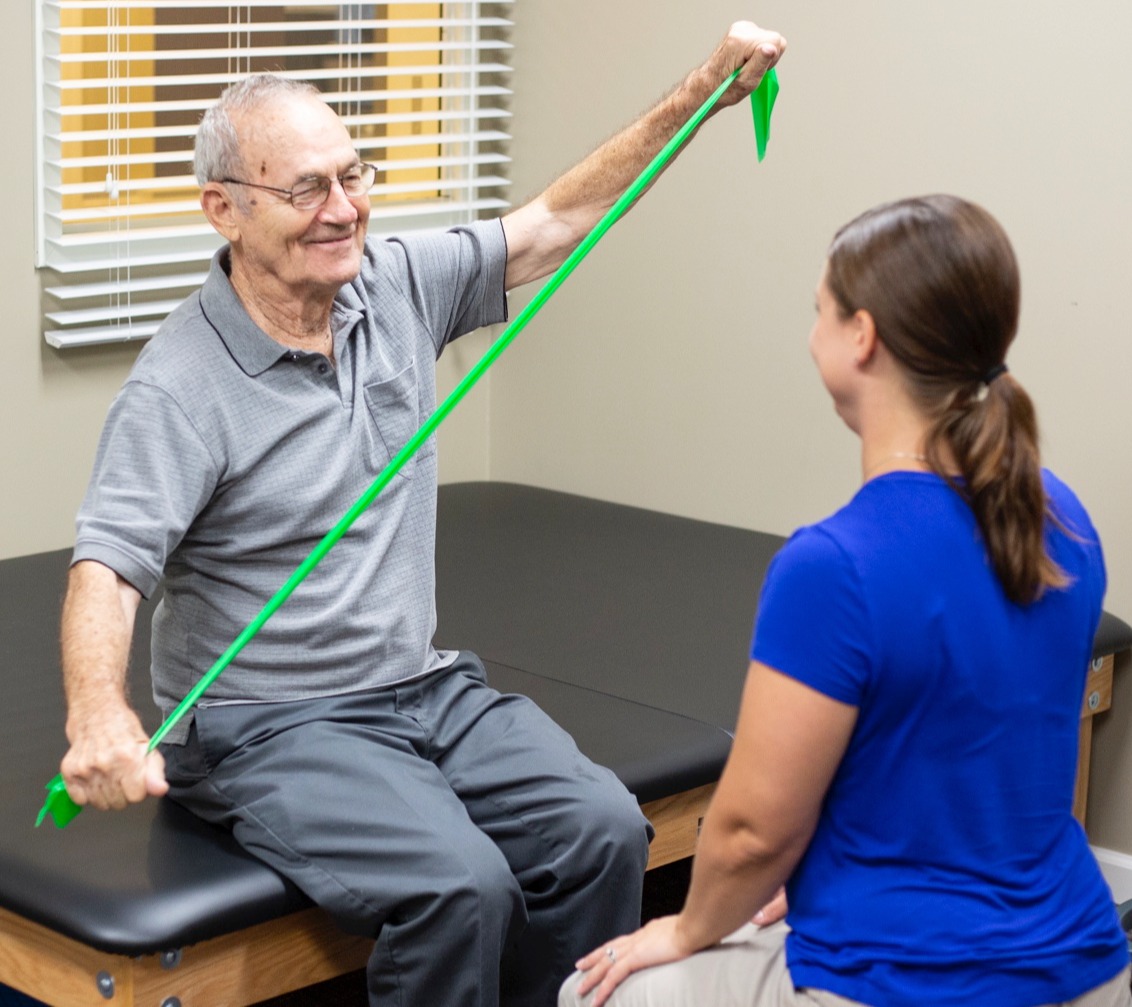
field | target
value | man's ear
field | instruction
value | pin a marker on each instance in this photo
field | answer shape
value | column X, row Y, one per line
column 864, row 337
column 222, row 214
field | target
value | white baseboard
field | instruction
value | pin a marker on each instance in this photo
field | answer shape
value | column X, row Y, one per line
column 1117, row 870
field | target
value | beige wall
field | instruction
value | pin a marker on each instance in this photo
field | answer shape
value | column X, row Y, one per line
column 671, row 370
column 52, row 405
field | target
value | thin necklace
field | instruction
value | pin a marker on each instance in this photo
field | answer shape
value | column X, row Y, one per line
column 906, row 455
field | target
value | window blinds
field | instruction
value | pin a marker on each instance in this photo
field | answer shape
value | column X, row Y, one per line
column 123, row 83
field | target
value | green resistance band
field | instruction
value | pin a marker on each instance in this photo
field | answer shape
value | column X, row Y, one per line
column 59, row 803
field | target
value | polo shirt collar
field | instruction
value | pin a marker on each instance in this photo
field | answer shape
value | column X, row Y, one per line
column 252, row 348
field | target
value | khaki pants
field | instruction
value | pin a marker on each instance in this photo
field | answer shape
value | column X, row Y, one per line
column 749, row 970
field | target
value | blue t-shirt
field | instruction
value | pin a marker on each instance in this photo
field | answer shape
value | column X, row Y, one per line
column 946, row 867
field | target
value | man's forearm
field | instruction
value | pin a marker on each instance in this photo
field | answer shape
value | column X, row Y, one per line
column 109, row 763
column 97, row 627
column 591, row 187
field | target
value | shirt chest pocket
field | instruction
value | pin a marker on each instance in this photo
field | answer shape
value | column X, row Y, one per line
column 395, row 415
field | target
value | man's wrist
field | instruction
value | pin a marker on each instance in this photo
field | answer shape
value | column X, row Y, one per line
column 104, row 711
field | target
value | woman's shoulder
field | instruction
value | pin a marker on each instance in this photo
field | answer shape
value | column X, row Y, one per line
column 1071, row 539
column 816, row 551
column 1070, row 519
column 892, row 523
column 1064, row 502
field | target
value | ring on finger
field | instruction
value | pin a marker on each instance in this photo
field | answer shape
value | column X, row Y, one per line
column 611, row 954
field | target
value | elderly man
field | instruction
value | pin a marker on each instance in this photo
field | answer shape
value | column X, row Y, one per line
column 461, row 829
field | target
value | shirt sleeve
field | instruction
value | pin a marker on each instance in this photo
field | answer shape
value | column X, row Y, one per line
column 812, row 621
column 152, row 475
column 454, row 279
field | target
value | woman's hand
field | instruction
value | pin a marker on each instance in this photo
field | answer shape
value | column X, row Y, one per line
column 657, row 942
column 773, row 911
column 605, row 968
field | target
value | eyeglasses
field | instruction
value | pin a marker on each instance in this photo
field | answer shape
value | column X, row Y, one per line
column 313, row 192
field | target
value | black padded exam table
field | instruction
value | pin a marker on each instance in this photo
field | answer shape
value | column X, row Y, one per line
column 630, row 627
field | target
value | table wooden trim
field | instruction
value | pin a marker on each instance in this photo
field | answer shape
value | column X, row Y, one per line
column 1097, row 699
column 677, row 820
column 233, row 970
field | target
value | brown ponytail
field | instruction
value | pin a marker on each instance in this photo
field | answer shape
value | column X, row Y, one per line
column 939, row 277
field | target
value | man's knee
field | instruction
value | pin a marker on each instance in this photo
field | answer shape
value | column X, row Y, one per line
column 446, row 890
column 473, row 891
column 615, row 823
column 486, row 893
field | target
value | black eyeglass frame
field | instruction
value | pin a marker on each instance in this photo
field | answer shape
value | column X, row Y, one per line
column 315, row 184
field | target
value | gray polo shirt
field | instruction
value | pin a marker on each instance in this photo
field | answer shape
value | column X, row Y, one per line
column 226, row 457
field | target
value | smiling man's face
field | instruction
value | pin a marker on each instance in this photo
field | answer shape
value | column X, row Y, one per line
column 297, row 255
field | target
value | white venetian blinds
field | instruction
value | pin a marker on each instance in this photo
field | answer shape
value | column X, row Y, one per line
column 123, row 83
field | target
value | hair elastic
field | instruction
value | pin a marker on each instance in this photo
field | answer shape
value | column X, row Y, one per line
column 995, row 372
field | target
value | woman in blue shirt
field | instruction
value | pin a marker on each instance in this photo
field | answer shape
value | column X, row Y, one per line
column 904, row 760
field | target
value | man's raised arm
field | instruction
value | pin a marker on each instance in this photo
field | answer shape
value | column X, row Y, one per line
column 543, row 232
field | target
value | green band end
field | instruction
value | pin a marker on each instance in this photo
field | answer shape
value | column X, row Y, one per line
column 762, row 105
column 58, row 805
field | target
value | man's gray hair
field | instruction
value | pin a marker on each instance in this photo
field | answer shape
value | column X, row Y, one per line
column 216, row 153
